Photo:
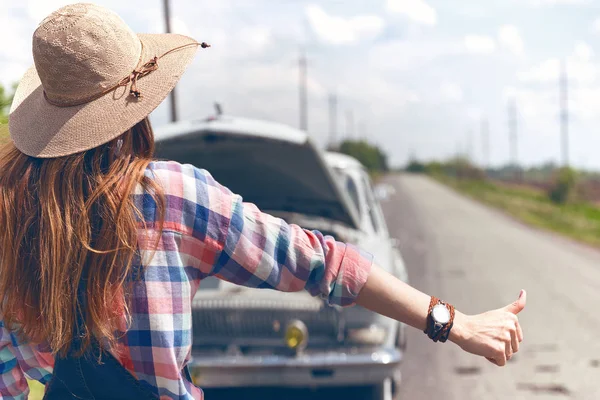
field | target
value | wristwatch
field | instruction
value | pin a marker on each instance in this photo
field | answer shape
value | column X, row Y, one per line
column 440, row 319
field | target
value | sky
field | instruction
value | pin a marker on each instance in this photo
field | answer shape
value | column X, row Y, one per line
column 418, row 76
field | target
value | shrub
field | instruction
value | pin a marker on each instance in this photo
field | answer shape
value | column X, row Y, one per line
column 462, row 169
column 563, row 186
column 434, row 168
column 415, row 167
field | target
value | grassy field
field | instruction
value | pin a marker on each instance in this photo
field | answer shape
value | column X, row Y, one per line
column 578, row 221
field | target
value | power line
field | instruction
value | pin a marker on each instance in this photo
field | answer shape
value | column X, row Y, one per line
column 302, row 83
column 173, row 97
column 564, row 113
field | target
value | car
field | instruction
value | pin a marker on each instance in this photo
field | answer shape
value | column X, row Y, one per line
column 245, row 337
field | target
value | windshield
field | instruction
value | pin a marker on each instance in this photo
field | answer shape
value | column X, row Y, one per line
column 350, row 187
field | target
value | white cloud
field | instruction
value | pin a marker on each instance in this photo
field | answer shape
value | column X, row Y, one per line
column 15, row 51
column 451, row 92
column 404, row 77
column 417, row 10
column 39, row 9
column 480, row 44
column 178, row 25
column 254, row 38
column 474, row 113
column 542, row 104
column 339, row 30
column 546, row 71
column 580, row 67
column 510, row 38
column 405, row 55
column 596, row 25
column 534, row 104
column 583, row 51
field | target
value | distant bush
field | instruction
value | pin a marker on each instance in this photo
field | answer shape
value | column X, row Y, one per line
column 372, row 157
column 462, row 169
column 434, row 168
column 563, row 186
column 416, row 167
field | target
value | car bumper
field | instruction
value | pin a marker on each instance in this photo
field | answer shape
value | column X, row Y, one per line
column 313, row 370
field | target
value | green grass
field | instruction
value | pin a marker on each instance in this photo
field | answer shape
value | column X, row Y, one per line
column 579, row 221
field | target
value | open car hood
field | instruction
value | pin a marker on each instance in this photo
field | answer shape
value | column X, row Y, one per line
column 271, row 165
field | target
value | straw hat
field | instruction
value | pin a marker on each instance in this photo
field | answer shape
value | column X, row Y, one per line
column 93, row 79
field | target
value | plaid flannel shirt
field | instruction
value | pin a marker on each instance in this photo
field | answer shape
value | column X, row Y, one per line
column 208, row 231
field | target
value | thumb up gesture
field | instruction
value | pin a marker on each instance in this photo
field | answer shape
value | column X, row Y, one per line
column 494, row 335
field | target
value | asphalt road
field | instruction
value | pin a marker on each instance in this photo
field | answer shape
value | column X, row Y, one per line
column 479, row 259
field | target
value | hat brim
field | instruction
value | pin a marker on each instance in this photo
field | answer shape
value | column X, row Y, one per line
column 40, row 129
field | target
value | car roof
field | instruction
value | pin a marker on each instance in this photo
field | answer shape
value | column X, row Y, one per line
column 236, row 126
column 339, row 160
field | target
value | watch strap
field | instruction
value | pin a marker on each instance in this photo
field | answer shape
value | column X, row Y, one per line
column 435, row 330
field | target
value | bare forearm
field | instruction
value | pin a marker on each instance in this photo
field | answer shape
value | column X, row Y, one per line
column 494, row 334
column 387, row 295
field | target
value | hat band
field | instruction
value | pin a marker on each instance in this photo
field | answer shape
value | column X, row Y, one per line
column 145, row 69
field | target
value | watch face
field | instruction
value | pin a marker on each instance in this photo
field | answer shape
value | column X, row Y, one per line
column 440, row 314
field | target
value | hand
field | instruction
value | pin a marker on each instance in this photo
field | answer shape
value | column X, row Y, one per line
column 494, row 335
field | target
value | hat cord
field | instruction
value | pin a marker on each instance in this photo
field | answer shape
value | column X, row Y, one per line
column 132, row 78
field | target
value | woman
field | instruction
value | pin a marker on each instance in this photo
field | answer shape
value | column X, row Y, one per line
column 102, row 249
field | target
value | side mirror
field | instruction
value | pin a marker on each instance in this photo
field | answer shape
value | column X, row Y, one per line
column 383, row 191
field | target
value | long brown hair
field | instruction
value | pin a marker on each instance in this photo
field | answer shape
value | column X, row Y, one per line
column 67, row 220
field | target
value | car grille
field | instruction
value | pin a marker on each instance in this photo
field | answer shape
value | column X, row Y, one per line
column 256, row 326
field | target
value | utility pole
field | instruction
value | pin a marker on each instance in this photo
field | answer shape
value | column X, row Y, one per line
column 302, row 83
column 485, row 143
column 167, row 13
column 349, row 125
column 513, row 137
column 564, row 113
column 332, row 120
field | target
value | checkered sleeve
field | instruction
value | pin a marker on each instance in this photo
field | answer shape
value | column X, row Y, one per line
column 225, row 237
column 248, row 247
column 265, row 252
column 13, row 384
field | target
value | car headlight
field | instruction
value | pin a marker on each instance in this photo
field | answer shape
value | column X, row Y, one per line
column 296, row 335
column 373, row 335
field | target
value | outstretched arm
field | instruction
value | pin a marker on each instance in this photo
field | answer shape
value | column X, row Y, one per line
column 494, row 334
column 237, row 242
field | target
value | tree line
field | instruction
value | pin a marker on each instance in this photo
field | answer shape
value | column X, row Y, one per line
column 561, row 184
column 371, row 156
